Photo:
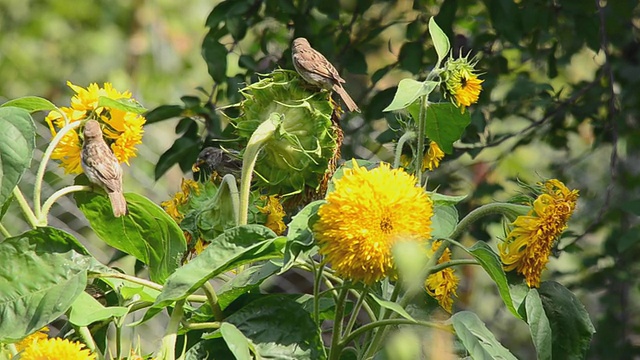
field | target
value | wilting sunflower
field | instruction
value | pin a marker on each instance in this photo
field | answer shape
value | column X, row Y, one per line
column 461, row 82
column 275, row 213
column 56, row 349
column 432, row 158
column 529, row 243
column 367, row 213
column 442, row 285
column 122, row 129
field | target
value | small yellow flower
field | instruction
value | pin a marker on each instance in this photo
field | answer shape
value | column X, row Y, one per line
column 367, row 213
column 275, row 213
column 56, row 349
column 36, row 336
column 432, row 158
column 443, row 284
column 461, row 82
column 528, row 245
column 123, row 130
column 172, row 206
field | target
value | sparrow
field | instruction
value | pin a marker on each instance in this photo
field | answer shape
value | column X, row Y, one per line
column 101, row 166
column 317, row 70
column 215, row 159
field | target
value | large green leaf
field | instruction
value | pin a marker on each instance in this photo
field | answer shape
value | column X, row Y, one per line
column 445, row 123
column 31, row 104
column 86, row 310
column 490, row 262
column 299, row 236
column 477, row 339
column 17, row 141
column 237, row 246
column 440, row 40
column 41, row 277
column 408, row 92
column 215, row 55
column 146, row 232
column 443, row 221
column 570, row 324
column 249, row 279
column 538, row 325
column 236, row 341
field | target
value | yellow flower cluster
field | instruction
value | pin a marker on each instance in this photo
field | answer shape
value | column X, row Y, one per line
column 367, row 213
column 528, row 245
column 275, row 213
column 38, row 346
column 443, row 284
column 172, row 206
column 122, row 129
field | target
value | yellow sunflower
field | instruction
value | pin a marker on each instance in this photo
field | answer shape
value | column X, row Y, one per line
column 367, row 213
column 122, row 129
column 36, row 336
column 275, row 213
column 432, row 158
column 56, row 349
column 443, row 284
column 461, row 82
column 528, row 245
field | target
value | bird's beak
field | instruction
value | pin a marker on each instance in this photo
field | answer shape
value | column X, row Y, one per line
column 196, row 165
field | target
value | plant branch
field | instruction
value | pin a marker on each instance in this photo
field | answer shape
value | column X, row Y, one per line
column 26, row 209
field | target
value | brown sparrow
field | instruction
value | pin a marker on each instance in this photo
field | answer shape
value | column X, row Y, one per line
column 318, row 71
column 101, row 166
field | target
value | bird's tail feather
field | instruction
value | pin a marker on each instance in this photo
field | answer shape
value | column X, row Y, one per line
column 351, row 105
column 118, row 203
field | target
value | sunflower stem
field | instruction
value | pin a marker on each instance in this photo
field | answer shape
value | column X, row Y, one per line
column 4, row 231
column 336, row 345
column 26, row 209
column 167, row 350
column 387, row 322
column 422, row 124
column 379, row 332
column 509, row 210
column 409, row 135
column 58, row 194
column 212, row 298
column 229, row 183
column 356, row 311
column 37, row 189
column 317, row 276
column 451, row 263
column 258, row 139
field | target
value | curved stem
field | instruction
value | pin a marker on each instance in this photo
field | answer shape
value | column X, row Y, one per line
column 4, row 231
column 26, row 209
column 378, row 336
column 56, row 195
column 37, row 189
column 356, row 311
column 230, row 182
column 201, row 326
column 387, row 322
column 133, row 279
column 488, row 209
column 212, row 298
column 317, row 276
column 336, row 348
column 422, row 124
column 86, row 336
column 167, row 351
column 451, row 263
column 409, row 135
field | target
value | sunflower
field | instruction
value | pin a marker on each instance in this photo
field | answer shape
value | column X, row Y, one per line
column 122, row 129
column 36, row 336
column 367, row 213
column 275, row 213
column 55, row 349
column 529, row 243
column 461, row 82
column 432, row 158
column 442, row 285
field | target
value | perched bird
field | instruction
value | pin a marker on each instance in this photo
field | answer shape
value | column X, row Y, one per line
column 101, row 166
column 318, row 71
column 215, row 159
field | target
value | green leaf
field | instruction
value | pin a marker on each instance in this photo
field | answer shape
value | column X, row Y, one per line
column 236, row 341
column 17, row 141
column 408, row 92
column 127, row 105
column 440, row 40
column 86, row 310
column 247, row 280
column 445, row 124
column 570, row 324
column 31, row 104
column 163, row 112
column 538, row 325
column 446, row 199
column 444, row 220
column 490, row 262
column 128, row 289
column 279, row 328
column 146, row 232
column 477, row 339
column 181, row 149
column 39, row 280
column 236, row 246
column 410, row 57
column 215, row 55
column 395, row 307
column 299, row 236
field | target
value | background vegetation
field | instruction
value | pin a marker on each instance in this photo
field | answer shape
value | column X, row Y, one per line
column 559, row 100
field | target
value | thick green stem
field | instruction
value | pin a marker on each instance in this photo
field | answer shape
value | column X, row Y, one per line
column 317, row 276
column 4, row 231
column 37, row 189
column 263, row 133
column 210, row 292
column 422, row 124
column 56, row 195
column 511, row 210
column 409, row 135
column 26, row 209
column 336, row 348
column 201, row 326
column 451, row 263
column 86, row 336
column 356, row 311
column 229, row 183
column 378, row 336
column 168, row 349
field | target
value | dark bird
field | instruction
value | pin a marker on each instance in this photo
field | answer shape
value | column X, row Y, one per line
column 317, row 70
column 215, row 159
column 101, row 166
